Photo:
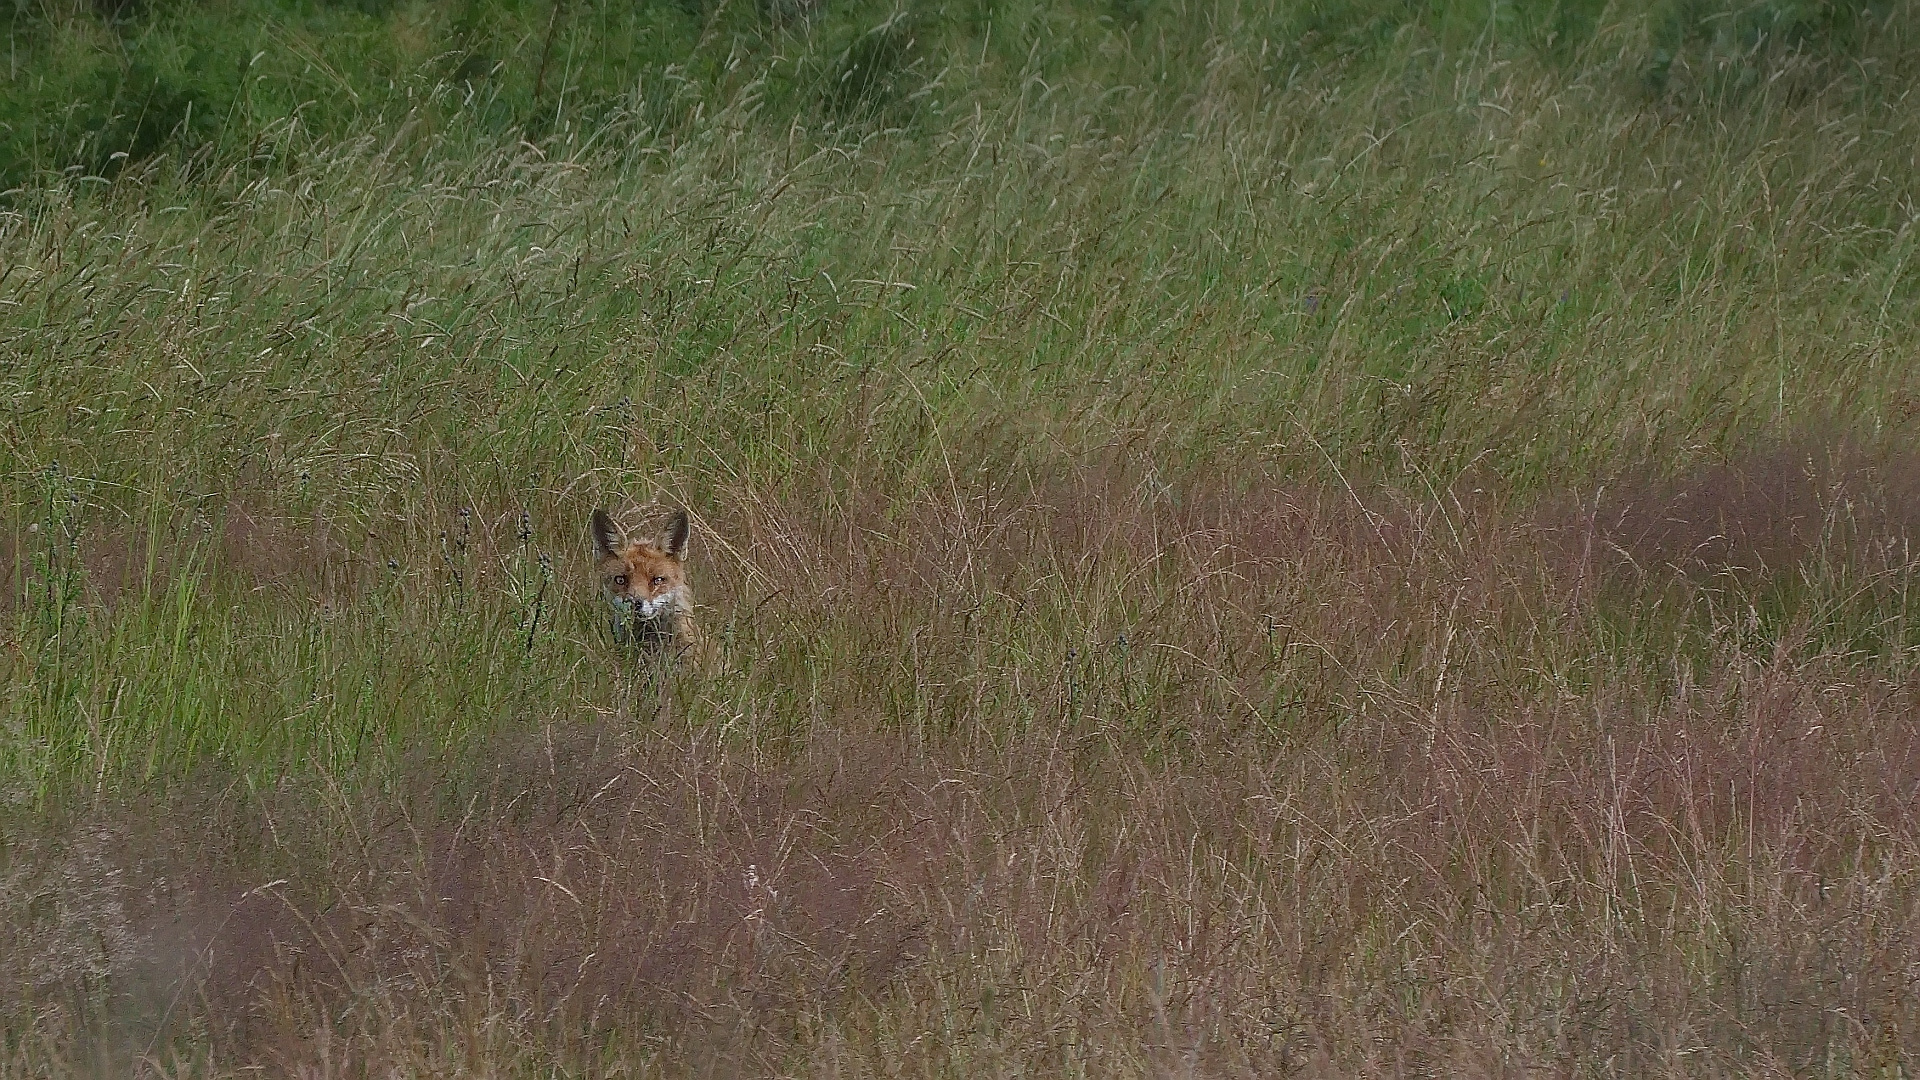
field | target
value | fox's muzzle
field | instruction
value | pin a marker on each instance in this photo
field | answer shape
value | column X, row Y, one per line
column 642, row 609
column 634, row 616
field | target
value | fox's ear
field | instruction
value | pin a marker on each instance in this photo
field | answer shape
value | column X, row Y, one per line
column 674, row 540
column 606, row 536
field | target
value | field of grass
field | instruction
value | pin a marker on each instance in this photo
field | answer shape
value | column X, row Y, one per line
column 1338, row 540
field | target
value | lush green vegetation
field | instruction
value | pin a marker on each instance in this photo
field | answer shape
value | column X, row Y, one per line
column 1338, row 536
column 93, row 87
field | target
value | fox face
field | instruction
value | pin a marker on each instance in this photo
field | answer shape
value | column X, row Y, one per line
column 645, row 581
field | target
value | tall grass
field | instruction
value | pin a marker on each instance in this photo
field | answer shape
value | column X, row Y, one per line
column 1329, row 540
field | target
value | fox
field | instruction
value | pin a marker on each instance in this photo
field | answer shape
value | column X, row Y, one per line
column 645, row 581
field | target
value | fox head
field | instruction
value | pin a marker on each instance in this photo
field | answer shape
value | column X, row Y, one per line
column 645, row 580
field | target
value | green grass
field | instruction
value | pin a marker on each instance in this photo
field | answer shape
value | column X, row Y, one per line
column 1239, row 539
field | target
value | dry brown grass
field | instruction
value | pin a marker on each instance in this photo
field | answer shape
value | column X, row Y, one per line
column 1282, row 780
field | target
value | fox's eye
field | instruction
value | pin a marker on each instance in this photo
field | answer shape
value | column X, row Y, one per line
column 619, row 581
column 659, row 581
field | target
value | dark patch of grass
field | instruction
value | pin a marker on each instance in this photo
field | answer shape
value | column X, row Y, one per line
column 1711, row 52
column 874, row 68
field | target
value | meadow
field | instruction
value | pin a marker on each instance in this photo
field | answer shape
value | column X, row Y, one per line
column 1339, row 539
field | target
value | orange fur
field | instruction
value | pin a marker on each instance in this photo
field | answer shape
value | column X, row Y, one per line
column 646, row 583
